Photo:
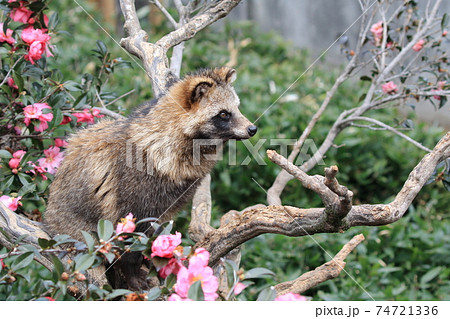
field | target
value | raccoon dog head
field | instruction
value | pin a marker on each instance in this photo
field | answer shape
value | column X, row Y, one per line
column 213, row 106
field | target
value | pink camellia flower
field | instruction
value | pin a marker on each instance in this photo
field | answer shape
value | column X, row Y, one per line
column 440, row 86
column 126, row 225
column 6, row 37
column 3, row 264
column 52, row 160
column 238, row 288
column 164, row 245
column 389, row 88
column 38, row 40
column 35, row 112
column 60, row 142
column 38, row 170
column 419, row 45
column 87, row 116
column 17, row 130
column 21, row 14
column 66, row 120
column 35, row 52
column 187, row 276
column 290, row 297
column 377, row 31
column 197, row 270
column 14, row 162
column 200, row 258
column 10, row 202
column 175, row 297
column 30, row 35
column 33, row 20
column 172, row 267
column 12, row 84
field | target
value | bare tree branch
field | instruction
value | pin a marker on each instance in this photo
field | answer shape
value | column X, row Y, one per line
column 391, row 129
column 295, row 222
column 154, row 56
column 201, row 211
column 199, row 22
column 344, row 120
column 325, row 272
column 274, row 192
column 16, row 226
column 165, row 12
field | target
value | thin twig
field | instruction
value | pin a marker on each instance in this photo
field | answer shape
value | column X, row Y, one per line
column 165, row 12
column 389, row 128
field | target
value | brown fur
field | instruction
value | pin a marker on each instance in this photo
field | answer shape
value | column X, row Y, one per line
column 95, row 182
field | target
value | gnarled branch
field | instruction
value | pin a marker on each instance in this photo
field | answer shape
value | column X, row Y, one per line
column 295, row 222
column 325, row 272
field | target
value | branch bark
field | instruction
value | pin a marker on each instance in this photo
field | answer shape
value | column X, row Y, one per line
column 154, row 56
column 325, row 272
column 295, row 222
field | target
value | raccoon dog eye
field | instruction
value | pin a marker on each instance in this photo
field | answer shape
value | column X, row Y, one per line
column 224, row 115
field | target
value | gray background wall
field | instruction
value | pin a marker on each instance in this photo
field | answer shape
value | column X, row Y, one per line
column 316, row 24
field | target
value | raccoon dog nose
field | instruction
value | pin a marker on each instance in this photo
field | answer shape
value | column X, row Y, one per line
column 252, row 130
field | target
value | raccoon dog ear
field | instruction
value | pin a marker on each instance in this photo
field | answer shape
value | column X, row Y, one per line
column 199, row 91
column 231, row 76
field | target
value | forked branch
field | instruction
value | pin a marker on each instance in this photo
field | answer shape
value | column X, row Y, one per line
column 296, row 222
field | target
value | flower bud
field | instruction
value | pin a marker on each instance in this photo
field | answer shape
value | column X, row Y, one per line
column 80, row 277
column 11, row 279
column 64, row 276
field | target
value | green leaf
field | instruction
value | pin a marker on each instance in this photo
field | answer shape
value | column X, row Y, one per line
column 118, row 292
column 446, row 185
column 147, row 220
column 57, row 118
column 442, row 101
column 53, row 21
column 89, row 241
column 5, row 154
column 231, row 269
column 45, row 243
column 105, row 229
column 8, row 182
column 430, row 275
column 20, row 238
column 63, row 239
column 58, row 266
column 79, row 99
column 109, row 257
column 258, row 273
column 29, row 188
column 170, row 281
column 195, row 291
column 365, row 78
column 29, row 248
column 22, row 261
column 102, row 47
column 444, row 21
column 18, row 81
column 72, row 86
column 154, row 293
column 24, row 178
column 362, row 97
column 84, row 262
column 268, row 294
column 167, row 229
column 4, row 233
